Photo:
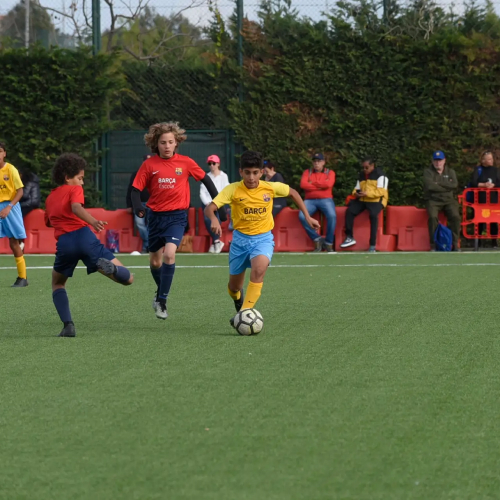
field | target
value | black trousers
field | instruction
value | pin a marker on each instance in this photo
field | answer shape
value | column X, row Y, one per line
column 354, row 208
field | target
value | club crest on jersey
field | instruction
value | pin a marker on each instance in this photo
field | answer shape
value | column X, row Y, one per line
column 5, row 177
column 178, row 171
column 267, row 197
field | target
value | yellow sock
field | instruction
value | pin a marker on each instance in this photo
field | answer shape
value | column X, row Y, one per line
column 252, row 296
column 21, row 267
column 234, row 295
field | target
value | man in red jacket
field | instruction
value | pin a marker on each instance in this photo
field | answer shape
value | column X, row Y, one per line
column 317, row 183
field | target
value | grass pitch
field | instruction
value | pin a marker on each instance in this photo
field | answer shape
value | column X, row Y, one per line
column 376, row 378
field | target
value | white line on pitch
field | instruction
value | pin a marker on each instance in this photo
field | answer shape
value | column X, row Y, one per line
column 472, row 264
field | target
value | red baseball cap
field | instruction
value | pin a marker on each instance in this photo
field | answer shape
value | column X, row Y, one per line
column 213, row 158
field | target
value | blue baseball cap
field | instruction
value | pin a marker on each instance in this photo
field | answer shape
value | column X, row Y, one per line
column 318, row 156
column 438, row 155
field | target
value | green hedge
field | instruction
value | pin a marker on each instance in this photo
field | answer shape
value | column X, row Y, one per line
column 54, row 101
column 353, row 91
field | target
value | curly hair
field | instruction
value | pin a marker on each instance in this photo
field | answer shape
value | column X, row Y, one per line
column 251, row 159
column 158, row 129
column 67, row 165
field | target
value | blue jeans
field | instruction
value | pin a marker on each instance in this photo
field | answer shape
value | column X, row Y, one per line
column 208, row 225
column 142, row 227
column 327, row 206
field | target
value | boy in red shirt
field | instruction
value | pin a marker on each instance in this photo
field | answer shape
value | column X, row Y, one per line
column 317, row 183
column 166, row 177
column 75, row 240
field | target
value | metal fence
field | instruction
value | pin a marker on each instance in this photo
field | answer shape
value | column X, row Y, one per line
column 125, row 151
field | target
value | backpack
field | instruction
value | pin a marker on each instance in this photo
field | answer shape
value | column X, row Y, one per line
column 469, row 197
column 443, row 238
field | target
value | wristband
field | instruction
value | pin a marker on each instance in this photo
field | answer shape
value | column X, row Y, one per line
column 11, row 205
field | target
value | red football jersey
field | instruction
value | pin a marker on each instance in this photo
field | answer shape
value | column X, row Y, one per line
column 168, row 181
column 58, row 209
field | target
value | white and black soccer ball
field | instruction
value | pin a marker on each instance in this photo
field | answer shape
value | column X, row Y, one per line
column 248, row 322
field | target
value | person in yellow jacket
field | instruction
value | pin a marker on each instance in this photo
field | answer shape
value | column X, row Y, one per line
column 370, row 194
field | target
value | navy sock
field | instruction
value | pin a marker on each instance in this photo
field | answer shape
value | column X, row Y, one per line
column 156, row 273
column 60, row 298
column 122, row 274
column 167, row 275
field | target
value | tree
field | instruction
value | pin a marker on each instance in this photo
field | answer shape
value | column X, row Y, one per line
column 41, row 30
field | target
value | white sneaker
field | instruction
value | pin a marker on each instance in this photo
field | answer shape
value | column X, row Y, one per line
column 155, row 303
column 161, row 311
column 219, row 245
column 211, row 249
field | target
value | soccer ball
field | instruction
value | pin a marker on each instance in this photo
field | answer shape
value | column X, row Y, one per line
column 248, row 322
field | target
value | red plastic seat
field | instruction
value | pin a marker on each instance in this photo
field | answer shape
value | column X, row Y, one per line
column 410, row 224
column 289, row 235
column 4, row 246
column 361, row 233
column 39, row 237
column 121, row 221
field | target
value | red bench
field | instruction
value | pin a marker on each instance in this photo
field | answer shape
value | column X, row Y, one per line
column 361, row 233
column 410, row 225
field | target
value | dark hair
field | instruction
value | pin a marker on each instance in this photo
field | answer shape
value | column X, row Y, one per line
column 368, row 159
column 2, row 146
column 67, row 165
column 269, row 164
column 251, row 159
column 26, row 174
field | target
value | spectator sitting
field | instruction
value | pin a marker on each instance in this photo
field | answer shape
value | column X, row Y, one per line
column 371, row 194
column 486, row 176
column 317, row 183
column 272, row 176
column 220, row 180
column 31, row 192
column 439, row 184
column 141, row 224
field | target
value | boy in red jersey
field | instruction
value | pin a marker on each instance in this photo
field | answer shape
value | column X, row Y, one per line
column 166, row 177
column 75, row 240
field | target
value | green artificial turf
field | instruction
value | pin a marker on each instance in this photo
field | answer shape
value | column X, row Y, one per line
column 376, row 378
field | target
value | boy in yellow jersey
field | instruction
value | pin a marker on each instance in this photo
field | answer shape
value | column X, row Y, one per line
column 251, row 203
column 11, row 219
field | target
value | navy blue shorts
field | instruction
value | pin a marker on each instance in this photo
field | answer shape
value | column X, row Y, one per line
column 79, row 245
column 166, row 227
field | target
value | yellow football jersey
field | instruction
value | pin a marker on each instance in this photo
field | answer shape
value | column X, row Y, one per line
column 10, row 182
column 252, row 209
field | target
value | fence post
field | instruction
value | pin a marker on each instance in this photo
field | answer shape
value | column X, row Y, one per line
column 96, row 26
column 239, row 22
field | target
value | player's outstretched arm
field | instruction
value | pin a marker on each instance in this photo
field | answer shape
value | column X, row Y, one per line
column 209, row 211
column 79, row 211
column 300, row 203
column 209, row 184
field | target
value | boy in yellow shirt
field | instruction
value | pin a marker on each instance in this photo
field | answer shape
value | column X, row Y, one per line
column 11, row 219
column 252, row 247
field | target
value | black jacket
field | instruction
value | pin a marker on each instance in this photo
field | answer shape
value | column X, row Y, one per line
column 144, row 194
column 31, row 196
column 278, row 202
column 486, row 174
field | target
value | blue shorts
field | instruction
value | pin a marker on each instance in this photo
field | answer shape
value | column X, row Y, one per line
column 13, row 225
column 79, row 245
column 244, row 248
column 166, row 227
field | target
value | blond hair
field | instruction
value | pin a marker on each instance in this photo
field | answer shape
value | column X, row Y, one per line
column 158, row 129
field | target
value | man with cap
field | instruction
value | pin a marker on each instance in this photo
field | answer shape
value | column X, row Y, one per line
column 220, row 181
column 440, row 182
column 270, row 175
column 317, row 183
